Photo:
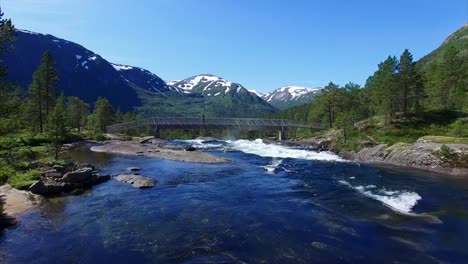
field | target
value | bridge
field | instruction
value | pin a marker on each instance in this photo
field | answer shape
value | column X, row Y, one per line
column 186, row 123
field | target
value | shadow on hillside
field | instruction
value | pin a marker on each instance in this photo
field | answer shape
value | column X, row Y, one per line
column 427, row 118
column 5, row 220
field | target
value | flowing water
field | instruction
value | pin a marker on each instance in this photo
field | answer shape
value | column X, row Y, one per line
column 271, row 204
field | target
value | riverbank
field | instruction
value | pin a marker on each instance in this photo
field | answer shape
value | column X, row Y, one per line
column 448, row 159
column 155, row 151
column 17, row 201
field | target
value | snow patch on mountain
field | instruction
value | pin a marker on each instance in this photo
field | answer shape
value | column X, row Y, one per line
column 288, row 93
column 204, row 79
column 120, row 67
column 257, row 93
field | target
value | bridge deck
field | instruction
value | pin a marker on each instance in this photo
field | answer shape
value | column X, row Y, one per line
column 213, row 123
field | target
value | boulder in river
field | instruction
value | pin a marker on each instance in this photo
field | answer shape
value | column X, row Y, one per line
column 79, row 175
column 190, row 148
column 136, row 181
column 96, row 178
column 53, row 174
column 49, row 187
column 133, row 169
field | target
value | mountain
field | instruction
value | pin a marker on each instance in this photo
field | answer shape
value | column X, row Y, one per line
column 211, row 95
column 87, row 75
column 289, row 96
column 81, row 72
column 459, row 39
column 144, row 79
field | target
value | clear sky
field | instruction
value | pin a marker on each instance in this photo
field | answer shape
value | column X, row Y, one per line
column 262, row 44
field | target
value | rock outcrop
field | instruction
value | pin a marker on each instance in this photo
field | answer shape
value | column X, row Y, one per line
column 422, row 155
column 136, row 181
column 67, row 178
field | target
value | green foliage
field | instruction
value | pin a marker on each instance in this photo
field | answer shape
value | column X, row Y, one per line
column 22, row 180
column 42, row 92
column 56, row 129
column 77, row 112
column 103, row 114
column 6, row 171
column 459, row 128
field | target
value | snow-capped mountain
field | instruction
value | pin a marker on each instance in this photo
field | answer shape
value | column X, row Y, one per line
column 172, row 82
column 144, row 79
column 81, row 72
column 257, row 93
column 289, row 96
column 211, row 85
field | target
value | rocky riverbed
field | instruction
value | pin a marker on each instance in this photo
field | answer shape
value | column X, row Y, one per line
column 156, row 151
column 449, row 159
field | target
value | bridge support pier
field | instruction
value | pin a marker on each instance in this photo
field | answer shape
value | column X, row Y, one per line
column 156, row 132
column 281, row 135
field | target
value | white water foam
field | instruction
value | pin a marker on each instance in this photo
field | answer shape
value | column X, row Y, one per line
column 400, row 201
column 273, row 166
column 198, row 143
column 259, row 148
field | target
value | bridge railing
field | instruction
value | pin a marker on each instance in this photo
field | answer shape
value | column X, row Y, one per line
column 212, row 123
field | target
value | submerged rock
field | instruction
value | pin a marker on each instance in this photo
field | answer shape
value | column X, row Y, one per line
column 133, row 169
column 190, row 148
column 137, row 181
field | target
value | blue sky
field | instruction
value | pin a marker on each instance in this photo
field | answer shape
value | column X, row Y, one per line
column 262, row 44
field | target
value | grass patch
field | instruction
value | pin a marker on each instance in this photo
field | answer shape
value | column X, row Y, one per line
column 445, row 140
column 22, row 180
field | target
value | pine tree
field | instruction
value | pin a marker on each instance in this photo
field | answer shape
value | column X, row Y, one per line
column 384, row 87
column 410, row 84
column 450, row 79
column 49, row 81
column 56, row 125
column 42, row 91
column 10, row 102
column 77, row 112
column 104, row 113
column 35, row 103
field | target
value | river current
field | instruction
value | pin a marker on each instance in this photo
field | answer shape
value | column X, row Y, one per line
column 271, row 204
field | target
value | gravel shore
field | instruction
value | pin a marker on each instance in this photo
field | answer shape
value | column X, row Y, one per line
column 153, row 150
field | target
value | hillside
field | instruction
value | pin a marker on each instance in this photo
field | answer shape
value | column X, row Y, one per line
column 81, row 72
column 459, row 39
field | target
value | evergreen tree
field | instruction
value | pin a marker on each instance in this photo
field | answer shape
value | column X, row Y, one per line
column 49, row 81
column 384, row 87
column 450, row 79
column 104, row 113
column 35, row 103
column 42, row 91
column 410, row 85
column 10, row 102
column 77, row 111
column 56, row 125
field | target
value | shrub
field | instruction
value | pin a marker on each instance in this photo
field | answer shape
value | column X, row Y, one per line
column 100, row 137
column 22, row 180
column 6, row 172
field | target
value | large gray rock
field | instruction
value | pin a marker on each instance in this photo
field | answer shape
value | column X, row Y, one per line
column 79, row 175
column 48, row 187
column 53, row 174
column 137, row 181
column 96, row 178
column 58, row 168
column 377, row 153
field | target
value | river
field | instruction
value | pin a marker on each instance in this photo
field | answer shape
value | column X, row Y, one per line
column 271, row 204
